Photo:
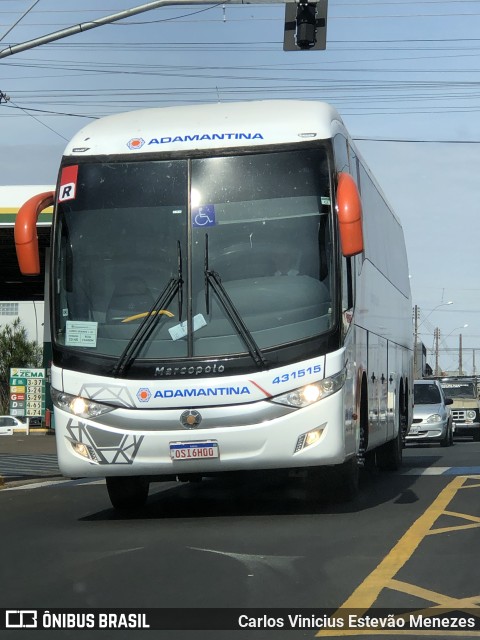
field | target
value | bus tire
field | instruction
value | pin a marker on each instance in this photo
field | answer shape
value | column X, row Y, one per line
column 338, row 483
column 346, row 480
column 447, row 439
column 127, row 492
column 390, row 454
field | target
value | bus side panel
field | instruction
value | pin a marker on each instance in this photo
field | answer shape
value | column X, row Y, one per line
column 351, row 389
column 397, row 360
column 377, row 388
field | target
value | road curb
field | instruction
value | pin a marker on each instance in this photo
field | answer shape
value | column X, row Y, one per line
column 35, row 431
column 25, row 481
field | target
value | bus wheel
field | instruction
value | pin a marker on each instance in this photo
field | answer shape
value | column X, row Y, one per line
column 339, row 483
column 127, row 492
column 390, row 454
column 346, row 478
column 446, row 441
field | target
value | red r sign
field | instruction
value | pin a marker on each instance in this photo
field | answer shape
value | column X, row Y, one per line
column 68, row 183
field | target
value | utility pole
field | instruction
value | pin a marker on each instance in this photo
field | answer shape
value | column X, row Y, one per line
column 436, row 337
column 474, row 370
column 460, row 364
column 415, row 340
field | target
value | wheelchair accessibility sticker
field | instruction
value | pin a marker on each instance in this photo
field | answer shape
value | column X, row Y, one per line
column 204, row 216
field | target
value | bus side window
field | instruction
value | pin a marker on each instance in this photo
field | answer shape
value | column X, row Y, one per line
column 347, row 283
column 340, row 150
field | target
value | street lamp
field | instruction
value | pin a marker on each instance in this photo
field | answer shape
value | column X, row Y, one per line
column 417, row 325
column 437, row 340
column 442, row 304
column 464, row 326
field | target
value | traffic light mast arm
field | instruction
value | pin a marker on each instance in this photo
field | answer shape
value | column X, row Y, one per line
column 85, row 26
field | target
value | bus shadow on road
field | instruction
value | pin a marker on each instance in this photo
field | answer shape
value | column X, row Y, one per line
column 263, row 494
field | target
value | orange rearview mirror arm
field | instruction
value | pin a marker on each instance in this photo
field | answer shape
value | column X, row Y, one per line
column 26, row 240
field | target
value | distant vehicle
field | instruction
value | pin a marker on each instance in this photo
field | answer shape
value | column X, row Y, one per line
column 466, row 405
column 9, row 424
column 432, row 419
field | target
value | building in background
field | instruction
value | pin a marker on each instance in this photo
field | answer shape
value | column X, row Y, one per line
column 22, row 296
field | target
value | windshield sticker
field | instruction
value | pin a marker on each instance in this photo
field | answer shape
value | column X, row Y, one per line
column 68, row 183
column 180, row 330
column 81, row 334
column 204, row 216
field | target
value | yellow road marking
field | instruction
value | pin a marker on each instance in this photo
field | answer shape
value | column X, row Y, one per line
column 456, row 527
column 444, row 602
column 383, row 576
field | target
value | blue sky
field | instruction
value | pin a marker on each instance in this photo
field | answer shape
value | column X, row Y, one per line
column 403, row 75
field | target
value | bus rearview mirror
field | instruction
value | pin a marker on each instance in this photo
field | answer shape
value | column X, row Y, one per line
column 349, row 210
column 26, row 240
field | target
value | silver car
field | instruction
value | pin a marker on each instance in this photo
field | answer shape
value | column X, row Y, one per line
column 432, row 420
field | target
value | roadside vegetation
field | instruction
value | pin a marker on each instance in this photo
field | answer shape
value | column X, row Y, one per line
column 16, row 350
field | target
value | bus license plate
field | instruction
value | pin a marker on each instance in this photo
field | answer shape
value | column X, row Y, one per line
column 194, row 450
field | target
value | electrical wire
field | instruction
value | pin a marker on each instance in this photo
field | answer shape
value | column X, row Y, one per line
column 19, row 20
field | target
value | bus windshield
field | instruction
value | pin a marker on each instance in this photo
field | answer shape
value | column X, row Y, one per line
column 162, row 259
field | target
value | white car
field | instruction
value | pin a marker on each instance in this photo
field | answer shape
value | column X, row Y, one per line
column 432, row 419
column 9, row 424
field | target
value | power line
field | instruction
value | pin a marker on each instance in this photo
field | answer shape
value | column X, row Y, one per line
column 19, row 20
column 39, row 121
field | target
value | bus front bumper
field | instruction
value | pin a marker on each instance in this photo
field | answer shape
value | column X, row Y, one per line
column 315, row 435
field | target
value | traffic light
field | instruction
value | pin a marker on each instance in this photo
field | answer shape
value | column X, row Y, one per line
column 305, row 26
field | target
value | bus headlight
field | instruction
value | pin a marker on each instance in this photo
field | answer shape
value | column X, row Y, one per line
column 81, row 407
column 311, row 393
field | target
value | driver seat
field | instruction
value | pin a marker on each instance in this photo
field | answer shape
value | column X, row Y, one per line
column 130, row 296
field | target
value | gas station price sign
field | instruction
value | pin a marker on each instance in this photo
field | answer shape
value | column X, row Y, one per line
column 27, row 392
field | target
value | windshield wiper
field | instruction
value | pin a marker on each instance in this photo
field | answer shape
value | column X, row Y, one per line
column 180, row 280
column 213, row 280
column 146, row 327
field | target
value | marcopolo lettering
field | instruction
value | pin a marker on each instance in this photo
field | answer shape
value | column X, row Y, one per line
column 189, row 370
column 198, row 137
column 198, row 393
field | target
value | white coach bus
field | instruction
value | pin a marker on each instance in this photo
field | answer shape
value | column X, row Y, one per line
column 229, row 292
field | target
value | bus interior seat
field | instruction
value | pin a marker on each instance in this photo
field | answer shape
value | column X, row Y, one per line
column 130, row 296
column 289, row 299
column 238, row 262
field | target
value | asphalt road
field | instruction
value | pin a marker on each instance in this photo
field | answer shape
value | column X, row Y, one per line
column 29, row 457
column 35, row 443
column 410, row 540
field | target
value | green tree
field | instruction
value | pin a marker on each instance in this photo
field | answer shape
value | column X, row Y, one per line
column 16, row 350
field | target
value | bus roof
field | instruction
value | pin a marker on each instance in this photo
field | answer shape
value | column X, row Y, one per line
column 206, row 126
